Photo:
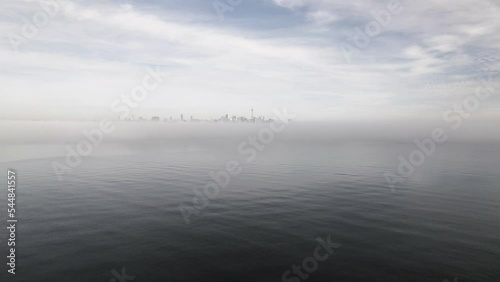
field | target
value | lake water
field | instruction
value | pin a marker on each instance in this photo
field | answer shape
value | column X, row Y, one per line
column 120, row 209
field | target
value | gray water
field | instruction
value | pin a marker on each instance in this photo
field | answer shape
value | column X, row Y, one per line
column 120, row 208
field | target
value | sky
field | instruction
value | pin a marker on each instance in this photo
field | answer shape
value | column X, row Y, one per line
column 222, row 57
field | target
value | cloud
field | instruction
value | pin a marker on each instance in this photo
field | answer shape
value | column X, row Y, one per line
column 322, row 17
column 290, row 4
column 90, row 54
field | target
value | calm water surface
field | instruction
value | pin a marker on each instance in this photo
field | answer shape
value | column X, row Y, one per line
column 122, row 210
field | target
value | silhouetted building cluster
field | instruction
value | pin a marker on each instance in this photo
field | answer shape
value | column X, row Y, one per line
column 224, row 118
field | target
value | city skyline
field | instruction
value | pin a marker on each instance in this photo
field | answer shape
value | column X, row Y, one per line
column 250, row 140
column 223, row 118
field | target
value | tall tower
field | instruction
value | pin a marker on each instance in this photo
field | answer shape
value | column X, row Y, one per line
column 252, row 113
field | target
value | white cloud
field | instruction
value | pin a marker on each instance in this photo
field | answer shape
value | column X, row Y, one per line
column 91, row 54
column 322, row 17
column 290, row 3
